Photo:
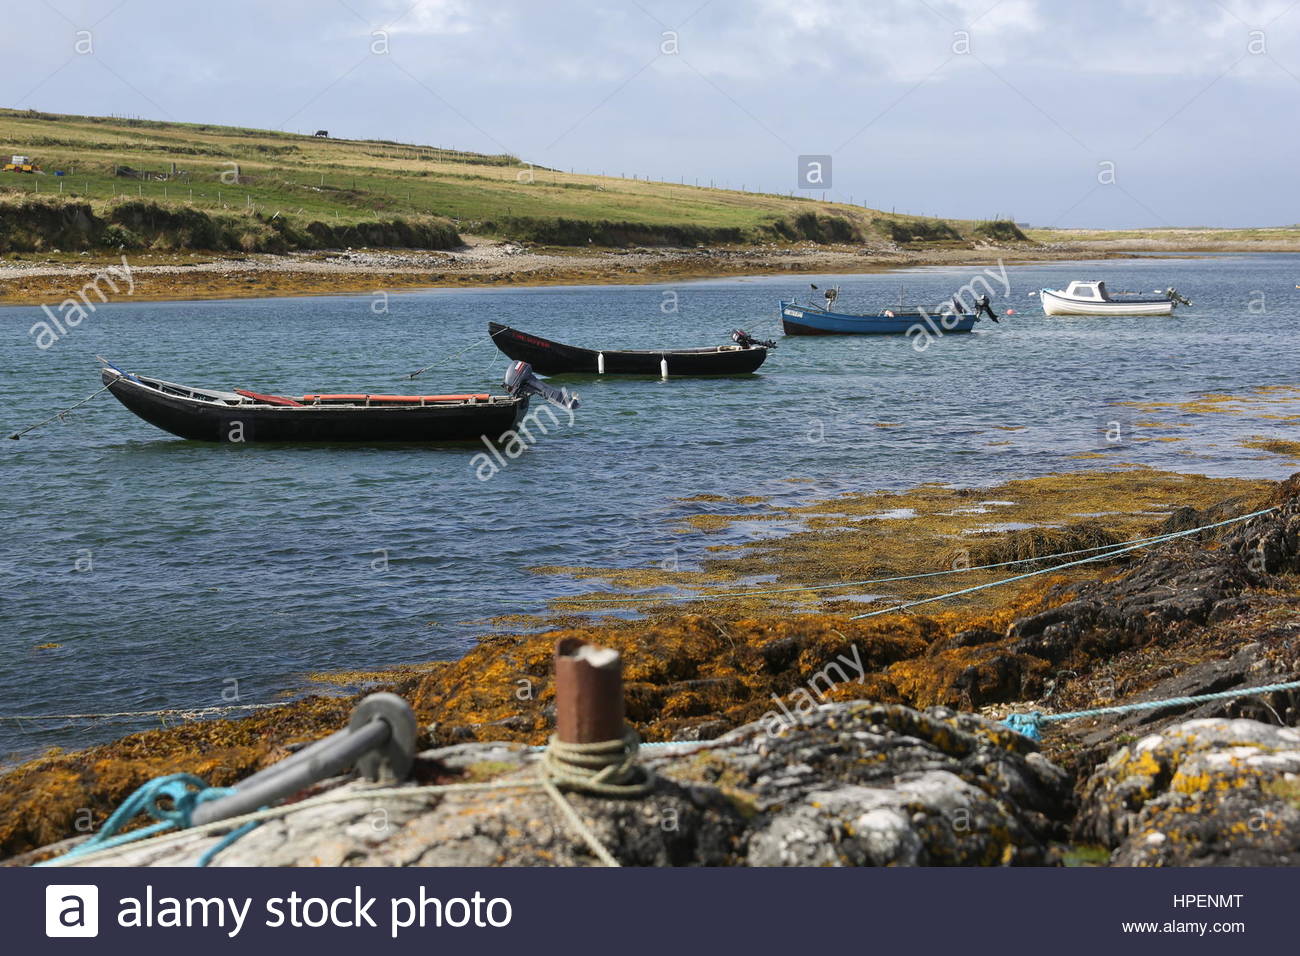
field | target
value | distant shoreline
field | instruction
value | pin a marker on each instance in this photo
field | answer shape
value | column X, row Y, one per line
column 36, row 279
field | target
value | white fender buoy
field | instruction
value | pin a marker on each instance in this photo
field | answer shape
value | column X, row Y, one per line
column 663, row 367
column 600, row 363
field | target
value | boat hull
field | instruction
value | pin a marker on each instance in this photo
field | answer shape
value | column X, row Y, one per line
column 1056, row 304
column 200, row 420
column 797, row 320
column 555, row 358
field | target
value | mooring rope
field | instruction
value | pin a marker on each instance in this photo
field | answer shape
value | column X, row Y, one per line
column 1030, row 725
column 57, row 415
column 447, row 358
column 186, row 713
column 1126, row 545
column 1058, row 567
column 704, row 595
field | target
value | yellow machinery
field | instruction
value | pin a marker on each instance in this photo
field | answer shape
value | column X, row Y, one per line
column 21, row 164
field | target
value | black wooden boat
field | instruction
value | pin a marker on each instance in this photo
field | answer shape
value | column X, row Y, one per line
column 554, row 358
column 237, row 416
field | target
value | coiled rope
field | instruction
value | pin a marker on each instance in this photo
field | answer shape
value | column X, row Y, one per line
column 604, row 769
column 1030, row 725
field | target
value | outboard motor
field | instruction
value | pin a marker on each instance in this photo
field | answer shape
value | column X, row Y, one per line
column 520, row 380
column 743, row 338
column 1175, row 297
column 982, row 307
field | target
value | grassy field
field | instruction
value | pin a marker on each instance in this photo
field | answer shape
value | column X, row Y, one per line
column 269, row 176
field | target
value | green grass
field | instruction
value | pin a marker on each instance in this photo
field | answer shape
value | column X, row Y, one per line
column 269, row 176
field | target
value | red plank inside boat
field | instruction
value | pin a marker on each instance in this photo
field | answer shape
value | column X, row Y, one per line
column 399, row 399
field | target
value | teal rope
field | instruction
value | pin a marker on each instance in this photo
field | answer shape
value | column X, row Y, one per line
column 1030, row 725
column 1025, row 724
column 185, row 791
column 1136, row 542
column 1058, row 567
column 225, row 841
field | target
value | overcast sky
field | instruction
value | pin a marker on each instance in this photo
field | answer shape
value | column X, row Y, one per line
column 965, row 108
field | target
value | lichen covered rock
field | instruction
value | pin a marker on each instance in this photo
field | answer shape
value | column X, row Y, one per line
column 1210, row 792
column 878, row 785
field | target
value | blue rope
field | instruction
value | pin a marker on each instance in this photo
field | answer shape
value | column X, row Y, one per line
column 229, row 838
column 1025, row 724
column 1030, row 725
column 185, row 791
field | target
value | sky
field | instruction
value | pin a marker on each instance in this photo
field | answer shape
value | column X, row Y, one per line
column 1113, row 113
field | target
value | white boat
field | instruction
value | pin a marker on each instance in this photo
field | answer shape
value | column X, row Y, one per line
column 1093, row 298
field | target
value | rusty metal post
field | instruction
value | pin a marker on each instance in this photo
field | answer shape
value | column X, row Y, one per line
column 588, row 692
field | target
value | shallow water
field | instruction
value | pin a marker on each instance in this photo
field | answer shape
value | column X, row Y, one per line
column 213, row 568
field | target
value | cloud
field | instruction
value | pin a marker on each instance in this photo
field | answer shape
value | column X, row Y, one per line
column 436, row 17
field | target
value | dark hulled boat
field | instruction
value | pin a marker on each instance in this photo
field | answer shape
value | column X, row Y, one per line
column 203, row 414
column 555, row 358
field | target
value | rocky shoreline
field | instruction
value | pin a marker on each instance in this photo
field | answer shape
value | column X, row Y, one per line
column 32, row 279
column 895, row 756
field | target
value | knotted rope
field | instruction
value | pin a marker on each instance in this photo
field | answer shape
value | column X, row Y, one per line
column 184, row 790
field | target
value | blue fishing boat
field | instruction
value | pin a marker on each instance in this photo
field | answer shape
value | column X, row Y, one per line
column 799, row 319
